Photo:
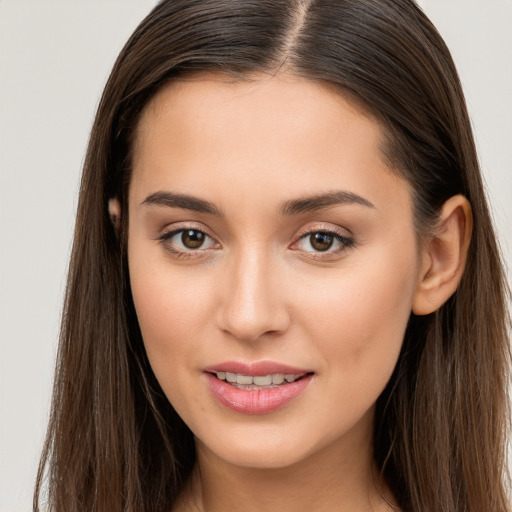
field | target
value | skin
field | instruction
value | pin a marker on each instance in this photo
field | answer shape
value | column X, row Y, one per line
column 257, row 289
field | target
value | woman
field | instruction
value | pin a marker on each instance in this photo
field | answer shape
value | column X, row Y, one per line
column 285, row 291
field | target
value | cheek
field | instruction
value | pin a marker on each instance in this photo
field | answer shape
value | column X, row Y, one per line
column 172, row 311
column 359, row 317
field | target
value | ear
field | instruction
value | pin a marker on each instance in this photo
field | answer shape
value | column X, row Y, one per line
column 444, row 257
column 114, row 210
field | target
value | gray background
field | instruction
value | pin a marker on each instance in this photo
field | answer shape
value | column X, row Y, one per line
column 54, row 59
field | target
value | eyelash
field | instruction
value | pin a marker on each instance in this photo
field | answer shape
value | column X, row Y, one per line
column 165, row 240
column 345, row 243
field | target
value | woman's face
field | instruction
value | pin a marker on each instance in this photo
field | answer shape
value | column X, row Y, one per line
column 268, row 242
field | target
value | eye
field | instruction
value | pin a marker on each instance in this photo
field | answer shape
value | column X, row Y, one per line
column 192, row 238
column 187, row 240
column 324, row 242
column 321, row 241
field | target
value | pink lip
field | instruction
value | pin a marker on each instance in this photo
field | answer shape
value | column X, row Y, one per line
column 255, row 369
column 256, row 401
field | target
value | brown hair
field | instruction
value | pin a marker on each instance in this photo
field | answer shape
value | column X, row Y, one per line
column 114, row 442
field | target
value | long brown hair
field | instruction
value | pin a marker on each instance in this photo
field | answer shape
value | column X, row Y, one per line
column 114, row 442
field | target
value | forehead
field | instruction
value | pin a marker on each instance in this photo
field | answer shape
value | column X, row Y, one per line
column 261, row 105
column 281, row 133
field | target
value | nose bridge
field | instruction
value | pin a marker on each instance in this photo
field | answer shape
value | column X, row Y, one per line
column 253, row 302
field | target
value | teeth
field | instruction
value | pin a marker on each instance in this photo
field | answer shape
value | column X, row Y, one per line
column 230, row 377
column 278, row 378
column 259, row 380
column 262, row 381
column 243, row 379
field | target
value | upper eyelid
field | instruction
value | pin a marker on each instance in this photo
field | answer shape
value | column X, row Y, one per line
column 182, row 226
column 165, row 240
column 173, row 229
column 344, row 236
column 343, row 239
column 170, row 231
column 325, row 228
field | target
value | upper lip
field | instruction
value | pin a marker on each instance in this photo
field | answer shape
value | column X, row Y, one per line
column 255, row 368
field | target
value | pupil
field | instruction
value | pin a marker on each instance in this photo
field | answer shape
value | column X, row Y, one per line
column 192, row 239
column 321, row 241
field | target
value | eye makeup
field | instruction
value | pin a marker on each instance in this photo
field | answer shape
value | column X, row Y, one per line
column 188, row 240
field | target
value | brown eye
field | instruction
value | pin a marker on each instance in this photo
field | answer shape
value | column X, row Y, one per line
column 192, row 238
column 188, row 243
column 323, row 244
column 321, row 241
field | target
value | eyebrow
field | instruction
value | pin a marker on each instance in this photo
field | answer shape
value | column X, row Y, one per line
column 320, row 201
column 173, row 200
column 292, row 207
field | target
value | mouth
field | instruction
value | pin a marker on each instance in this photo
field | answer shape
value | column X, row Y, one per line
column 256, row 388
column 269, row 381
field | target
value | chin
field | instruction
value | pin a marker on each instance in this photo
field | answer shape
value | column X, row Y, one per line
column 275, row 447
column 259, row 457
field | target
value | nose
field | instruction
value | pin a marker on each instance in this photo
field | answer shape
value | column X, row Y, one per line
column 253, row 303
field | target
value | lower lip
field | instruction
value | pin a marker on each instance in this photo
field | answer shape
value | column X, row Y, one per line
column 256, row 401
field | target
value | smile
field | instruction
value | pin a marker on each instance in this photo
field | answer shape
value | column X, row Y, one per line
column 257, row 381
column 257, row 388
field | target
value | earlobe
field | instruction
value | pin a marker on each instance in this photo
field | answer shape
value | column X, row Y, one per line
column 444, row 257
column 114, row 210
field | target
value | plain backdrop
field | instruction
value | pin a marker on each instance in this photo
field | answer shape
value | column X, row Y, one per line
column 54, row 59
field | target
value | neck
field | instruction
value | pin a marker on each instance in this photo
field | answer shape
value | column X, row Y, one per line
column 340, row 477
